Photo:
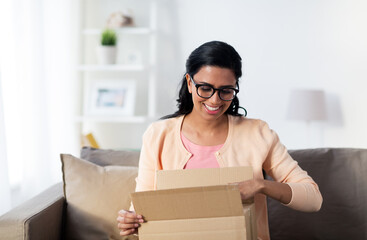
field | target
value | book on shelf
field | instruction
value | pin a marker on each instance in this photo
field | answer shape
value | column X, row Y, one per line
column 88, row 140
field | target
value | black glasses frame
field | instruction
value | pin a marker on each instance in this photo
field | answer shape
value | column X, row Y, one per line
column 197, row 85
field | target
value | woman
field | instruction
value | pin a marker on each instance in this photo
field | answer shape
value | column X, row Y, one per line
column 208, row 131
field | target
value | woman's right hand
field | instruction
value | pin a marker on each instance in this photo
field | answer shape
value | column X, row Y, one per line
column 128, row 222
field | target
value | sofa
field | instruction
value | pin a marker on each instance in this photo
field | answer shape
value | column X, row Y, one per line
column 101, row 180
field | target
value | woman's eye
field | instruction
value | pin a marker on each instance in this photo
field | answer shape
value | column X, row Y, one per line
column 227, row 91
column 205, row 88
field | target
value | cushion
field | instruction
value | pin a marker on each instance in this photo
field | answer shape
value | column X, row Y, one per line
column 104, row 157
column 94, row 195
column 341, row 176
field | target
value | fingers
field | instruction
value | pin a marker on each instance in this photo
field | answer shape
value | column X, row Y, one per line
column 123, row 220
column 125, row 226
column 248, row 189
column 128, row 222
column 129, row 214
column 127, row 232
column 129, row 217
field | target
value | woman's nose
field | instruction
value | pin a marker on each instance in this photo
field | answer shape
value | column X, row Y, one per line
column 215, row 98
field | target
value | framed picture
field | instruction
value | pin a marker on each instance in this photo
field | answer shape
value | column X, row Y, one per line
column 110, row 97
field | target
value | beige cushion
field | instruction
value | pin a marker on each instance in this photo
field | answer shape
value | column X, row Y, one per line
column 94, row 195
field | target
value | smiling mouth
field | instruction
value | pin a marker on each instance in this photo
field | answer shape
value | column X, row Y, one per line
column 211, row 108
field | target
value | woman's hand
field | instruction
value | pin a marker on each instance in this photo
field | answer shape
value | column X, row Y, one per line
column 128, row 222
column 249, row 188
column 276, row 190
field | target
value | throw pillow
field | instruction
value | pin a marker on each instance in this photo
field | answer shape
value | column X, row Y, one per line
column 104, row 157
column 94, row 195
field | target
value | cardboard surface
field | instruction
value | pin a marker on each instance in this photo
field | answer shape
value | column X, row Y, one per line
column 199, row 228
column 250, row 221
column 196, row 204
column 184, row 203
column 169, row 179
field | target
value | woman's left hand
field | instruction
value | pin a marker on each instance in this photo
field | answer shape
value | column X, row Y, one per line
column 276, row 190
column 249, row 188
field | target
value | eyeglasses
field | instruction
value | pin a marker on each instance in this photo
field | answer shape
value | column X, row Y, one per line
column 207, row 91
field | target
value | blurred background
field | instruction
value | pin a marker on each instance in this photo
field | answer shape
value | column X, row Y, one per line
column 304, row 72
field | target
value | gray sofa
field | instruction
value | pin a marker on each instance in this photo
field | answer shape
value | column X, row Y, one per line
column 340, row 173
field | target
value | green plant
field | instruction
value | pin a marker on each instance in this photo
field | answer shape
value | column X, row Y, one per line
column 108, row 37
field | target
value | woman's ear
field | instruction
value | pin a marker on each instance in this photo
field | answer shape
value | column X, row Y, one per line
column 188, row 81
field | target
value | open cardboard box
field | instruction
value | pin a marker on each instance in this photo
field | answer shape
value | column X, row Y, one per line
column 196, row 204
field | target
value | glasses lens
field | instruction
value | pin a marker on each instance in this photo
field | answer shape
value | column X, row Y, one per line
column 227, row 94
column 205, row 91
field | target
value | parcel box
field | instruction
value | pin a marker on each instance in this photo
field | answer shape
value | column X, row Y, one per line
column 196, row 204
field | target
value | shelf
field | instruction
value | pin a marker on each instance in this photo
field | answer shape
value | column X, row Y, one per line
column 143, row 39
column 112, row 119
column 111, row 68
column 123, row 30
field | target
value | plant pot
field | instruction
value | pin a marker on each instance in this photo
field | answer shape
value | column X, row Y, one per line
column 106, row 54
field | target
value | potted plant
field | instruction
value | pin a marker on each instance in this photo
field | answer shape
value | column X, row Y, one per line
column 107, row 51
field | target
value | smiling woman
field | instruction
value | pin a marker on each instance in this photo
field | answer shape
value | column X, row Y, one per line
column 207, row 131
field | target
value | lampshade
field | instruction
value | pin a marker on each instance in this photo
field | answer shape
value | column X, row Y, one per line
column 307, row 105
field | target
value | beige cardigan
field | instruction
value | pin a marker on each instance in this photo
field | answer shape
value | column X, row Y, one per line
column 250, row 142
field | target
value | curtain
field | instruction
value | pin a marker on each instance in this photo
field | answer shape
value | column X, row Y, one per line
column 4, row 180
column 38, row 55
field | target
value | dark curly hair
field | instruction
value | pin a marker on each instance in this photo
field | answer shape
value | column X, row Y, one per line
column 214, row 53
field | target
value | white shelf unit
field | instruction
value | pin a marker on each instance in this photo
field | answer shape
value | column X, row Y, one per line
column 112, row 119
column 111, row 68
column 114, row 131
column 149, row 67
column 125, row 30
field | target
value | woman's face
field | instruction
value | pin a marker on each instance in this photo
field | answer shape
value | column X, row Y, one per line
column 214, row 107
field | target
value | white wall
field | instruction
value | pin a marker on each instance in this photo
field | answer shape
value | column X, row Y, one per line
column 284, row 44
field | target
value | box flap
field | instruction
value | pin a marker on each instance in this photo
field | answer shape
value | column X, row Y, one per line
column 195, row 229
column 169, row 179
column 184, row 203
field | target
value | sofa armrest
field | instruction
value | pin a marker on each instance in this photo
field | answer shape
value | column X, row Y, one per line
column 39, row 218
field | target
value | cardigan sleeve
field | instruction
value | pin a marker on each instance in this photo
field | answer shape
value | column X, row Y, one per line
column 282, row 168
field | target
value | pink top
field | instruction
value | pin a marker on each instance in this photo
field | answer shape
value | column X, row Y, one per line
column 202, row 156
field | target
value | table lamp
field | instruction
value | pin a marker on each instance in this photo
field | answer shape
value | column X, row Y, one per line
column 307, row 105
